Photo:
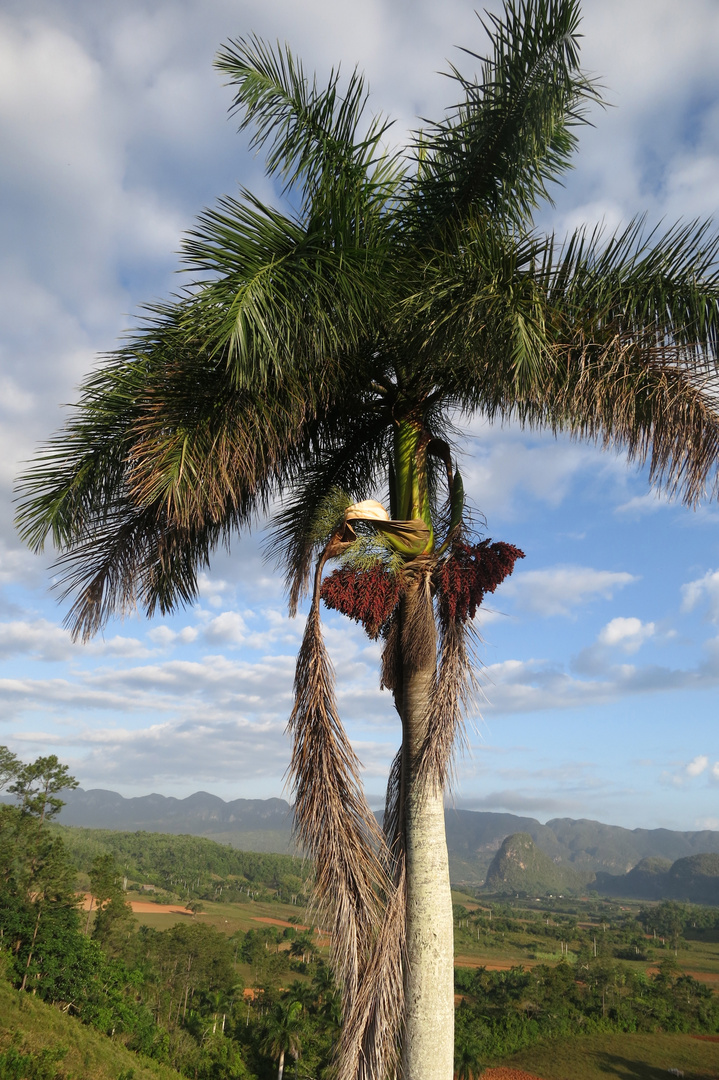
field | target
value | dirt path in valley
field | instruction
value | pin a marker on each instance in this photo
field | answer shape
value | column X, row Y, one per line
column 497, row 965
column 278, row 922
column 142, row 907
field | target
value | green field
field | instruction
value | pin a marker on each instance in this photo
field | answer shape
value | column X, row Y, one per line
column 626, row 1057
column 473, row 948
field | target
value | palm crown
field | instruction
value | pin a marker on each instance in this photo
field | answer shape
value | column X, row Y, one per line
column 319, row 355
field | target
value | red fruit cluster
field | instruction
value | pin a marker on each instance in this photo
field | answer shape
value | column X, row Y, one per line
column 470, row 572
column 367, row 596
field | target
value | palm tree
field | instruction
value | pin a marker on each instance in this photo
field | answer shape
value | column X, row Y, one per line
column 283, row 1033
column 321, row 355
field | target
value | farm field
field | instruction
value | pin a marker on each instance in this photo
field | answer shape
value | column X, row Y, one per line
column 229, row 918
column 619, row 1056
column 474, row 947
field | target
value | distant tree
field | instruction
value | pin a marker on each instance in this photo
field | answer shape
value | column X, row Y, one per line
column 38, row 785
column 283, row 1032
column 114, row 920
column 9, row 766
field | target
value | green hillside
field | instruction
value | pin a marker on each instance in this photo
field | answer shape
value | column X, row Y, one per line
column 521, row 867
column 188, row 866
column 694, row 878
column 33, row 1032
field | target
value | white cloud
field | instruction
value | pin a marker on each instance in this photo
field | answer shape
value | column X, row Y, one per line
column 629, row 633
column 39, row 638
column 715, row 770
column 506, row 466
column 117, row 646
column 229, row 628
column 212, row 589
column 704, row 589
column 561, row 589
column 640, row 505
column 697, row 765
column 165, row 637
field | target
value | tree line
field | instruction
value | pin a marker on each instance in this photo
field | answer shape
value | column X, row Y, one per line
column 505, row 1011
column 191, row 867
column 175, row 995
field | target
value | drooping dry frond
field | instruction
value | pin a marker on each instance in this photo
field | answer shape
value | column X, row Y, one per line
column 332, row 819
column 371, row 1034
column 392, row 821
column 452, row 696
column 372, row 1029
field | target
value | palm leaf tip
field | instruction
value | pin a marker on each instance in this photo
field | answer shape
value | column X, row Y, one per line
column 512, row 134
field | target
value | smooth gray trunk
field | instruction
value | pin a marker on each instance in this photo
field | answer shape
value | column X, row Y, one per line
column 428, row 1038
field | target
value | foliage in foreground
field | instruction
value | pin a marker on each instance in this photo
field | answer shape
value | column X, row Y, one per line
column 176, row 999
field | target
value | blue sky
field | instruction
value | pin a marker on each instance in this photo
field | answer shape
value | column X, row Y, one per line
column 600, row 656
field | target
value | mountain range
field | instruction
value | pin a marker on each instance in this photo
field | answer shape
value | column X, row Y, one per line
column 578, row 846
column 521, row 867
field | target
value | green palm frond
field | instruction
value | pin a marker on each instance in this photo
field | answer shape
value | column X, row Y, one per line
column 355, row 463
column 615, row 338
column 279, row 294
column 162, row 460
column 481, row 307
column 512, row 132
column 312, row 134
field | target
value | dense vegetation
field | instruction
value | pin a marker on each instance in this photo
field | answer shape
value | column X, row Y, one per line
column 220, row 1006
column 173, row 996
column 596, row 985
column 503, row 1011
column 190, row 867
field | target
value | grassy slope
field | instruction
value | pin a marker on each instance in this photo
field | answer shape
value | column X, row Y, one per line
column 90, row 1055
column 627, row 1057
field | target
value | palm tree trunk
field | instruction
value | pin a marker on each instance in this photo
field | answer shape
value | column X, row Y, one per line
column 428, row 1038
column 281, row 1069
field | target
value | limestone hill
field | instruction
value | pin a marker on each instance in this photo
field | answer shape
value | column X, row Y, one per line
column 521, row 867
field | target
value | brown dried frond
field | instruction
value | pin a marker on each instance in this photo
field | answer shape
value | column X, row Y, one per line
column 453, row 695
column 651, row 398
column 392, row 821
column 371, row 1033
column 332, row 819
column 390, row 655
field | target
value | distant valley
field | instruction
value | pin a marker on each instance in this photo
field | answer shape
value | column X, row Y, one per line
column 567, row 854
